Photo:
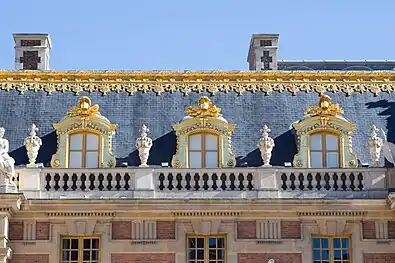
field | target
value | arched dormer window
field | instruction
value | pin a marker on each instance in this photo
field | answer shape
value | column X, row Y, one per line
column 324, row 137
column 84, row 138
column 203, row 138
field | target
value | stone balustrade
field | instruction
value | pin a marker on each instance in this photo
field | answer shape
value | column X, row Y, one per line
column 273, row 182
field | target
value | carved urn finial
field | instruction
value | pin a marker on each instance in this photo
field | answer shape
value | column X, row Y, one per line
column 266, row 145
column 143, row 145
column 32, row 144
column 271, row 261
column 374, row 144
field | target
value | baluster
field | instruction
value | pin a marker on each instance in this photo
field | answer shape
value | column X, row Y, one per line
column 228, row 181
column 288, row 181
column 314, row 181
column 122, row 181
column 200, row 181
column 52, row 183
column 210, row 181
column 79, row 181
column 166, row 181
column 331, row 181
column 348, row 182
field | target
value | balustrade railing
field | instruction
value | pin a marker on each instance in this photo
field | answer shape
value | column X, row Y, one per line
column 322, row 179
column 86, row 179
column 205, row 179
column 178, row 180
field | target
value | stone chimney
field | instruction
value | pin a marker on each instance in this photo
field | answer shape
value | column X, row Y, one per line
column 32, row 51
column 262, row 54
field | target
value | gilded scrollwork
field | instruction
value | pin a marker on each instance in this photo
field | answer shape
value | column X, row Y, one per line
column 159, row 82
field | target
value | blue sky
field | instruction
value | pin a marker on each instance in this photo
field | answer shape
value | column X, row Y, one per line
column 197, row 34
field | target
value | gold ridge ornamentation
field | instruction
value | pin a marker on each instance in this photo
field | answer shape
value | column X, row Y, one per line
column 84, row 108
column 325, row 107
column 205, row 109
column 160, row 82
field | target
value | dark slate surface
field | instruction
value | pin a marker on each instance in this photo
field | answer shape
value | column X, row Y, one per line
column 249, row 112
column 336, row 65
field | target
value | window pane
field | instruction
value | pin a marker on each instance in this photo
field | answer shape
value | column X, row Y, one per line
column 92, row 142
column 316, row 243
column 332, row 159
column 212, row 242
column 66, row 243
column 74, row 244
column 75, row 160
column 325, row 243
column 332, row 142
column 325, row 254
column 211, row 142
column 195, row 160
column 316, row 254
column 76, row 141
column 316, row 141
column 344, row 243
column 92, row 160
column 95, row 243
column 336, row 243
column 220, row 242
column 211, row 160
column 195, row 142
column 316, row 159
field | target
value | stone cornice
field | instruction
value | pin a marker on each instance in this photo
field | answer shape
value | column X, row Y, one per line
column 347, row 82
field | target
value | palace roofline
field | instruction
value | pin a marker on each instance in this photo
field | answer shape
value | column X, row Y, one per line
column 160, row 81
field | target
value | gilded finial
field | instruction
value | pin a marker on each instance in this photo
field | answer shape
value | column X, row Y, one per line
column 324, row 108
column 205, row 109
column 84, row 108
column 33, row 130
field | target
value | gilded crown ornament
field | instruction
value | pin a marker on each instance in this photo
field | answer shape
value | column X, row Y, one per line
column 205, row 109
column 143, row 145
column 32, row 144
column 374, row 144
column 83, row 108
column 266, row 145
column 325, row 107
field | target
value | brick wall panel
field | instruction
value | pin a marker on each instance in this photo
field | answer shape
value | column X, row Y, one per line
column 391, row 229
column 368, row 230
column 30, row 258
column 121, row 230
column 291, row 230
column 15, row 230
column 166, row 229
column 246, row 229
column 264, row 257
column 42, row 230
column 143, row 258
column 379, row 258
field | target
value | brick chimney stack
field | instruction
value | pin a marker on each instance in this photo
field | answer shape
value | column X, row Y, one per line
column 32, row 51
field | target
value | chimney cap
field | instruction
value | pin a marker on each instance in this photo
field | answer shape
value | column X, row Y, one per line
column 41, row 36
column 262, row 37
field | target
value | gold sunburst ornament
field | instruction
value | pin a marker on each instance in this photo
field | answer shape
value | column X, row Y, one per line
column 83, row 108
column 205, row 109
column 324, row 108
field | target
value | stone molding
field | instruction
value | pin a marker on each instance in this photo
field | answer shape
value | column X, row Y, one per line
column 186, row 82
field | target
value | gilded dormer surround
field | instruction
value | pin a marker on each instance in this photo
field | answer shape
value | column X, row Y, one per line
column 84, row 138
column 203, row 138
column 324, row 137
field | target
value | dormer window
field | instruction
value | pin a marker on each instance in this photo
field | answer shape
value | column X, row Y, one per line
column 203, row 138
column 84, row 150
column 324, row 137
column 203, row 150
column 84, row 138
column 324, row 150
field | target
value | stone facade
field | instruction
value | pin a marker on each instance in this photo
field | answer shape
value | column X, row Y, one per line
column 140, row 202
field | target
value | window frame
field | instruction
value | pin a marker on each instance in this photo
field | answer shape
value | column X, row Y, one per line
column 84, row 150
column 206, row 245
column 203, row 150
column 324, row 150
column 331, row 247
column 81, row 249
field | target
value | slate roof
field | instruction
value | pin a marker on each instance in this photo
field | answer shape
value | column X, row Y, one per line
column 348, row 65
column 249, row 112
